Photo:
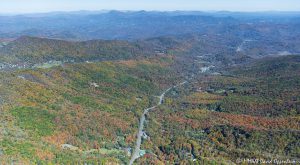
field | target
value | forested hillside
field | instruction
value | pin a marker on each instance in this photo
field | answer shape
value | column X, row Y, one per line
column 36, row 50
column 88, row 112
column 249, row 112
column 78, row 112
column 221, row 49
column 149, row 87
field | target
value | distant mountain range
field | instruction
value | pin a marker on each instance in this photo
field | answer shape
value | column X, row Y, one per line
column 129, row 25
column 220, row 37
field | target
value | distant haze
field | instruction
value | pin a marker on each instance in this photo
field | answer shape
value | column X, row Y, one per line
column 35, row 6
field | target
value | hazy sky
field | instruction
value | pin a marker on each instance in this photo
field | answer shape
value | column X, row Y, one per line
column 32, row 6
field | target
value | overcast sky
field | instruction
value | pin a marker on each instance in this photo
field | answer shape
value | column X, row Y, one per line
column 34, row 6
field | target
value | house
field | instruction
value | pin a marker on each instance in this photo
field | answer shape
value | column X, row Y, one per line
column 145, row 136
column 142, row 153
column 69, row 147
column 94, row 85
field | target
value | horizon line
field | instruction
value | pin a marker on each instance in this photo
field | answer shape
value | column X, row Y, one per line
column 140, row 10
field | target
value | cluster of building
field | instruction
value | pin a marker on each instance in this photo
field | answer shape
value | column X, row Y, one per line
column 7, row 66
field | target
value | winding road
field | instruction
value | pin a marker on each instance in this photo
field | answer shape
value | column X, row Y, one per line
column 136, row 153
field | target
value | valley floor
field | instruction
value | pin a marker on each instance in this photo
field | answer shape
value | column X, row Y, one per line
column 48, row 114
